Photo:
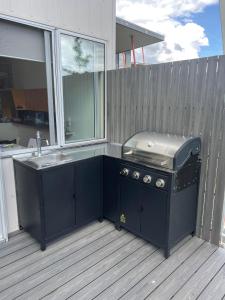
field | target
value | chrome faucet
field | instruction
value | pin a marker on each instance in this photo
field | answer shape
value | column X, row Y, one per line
column 39, row 142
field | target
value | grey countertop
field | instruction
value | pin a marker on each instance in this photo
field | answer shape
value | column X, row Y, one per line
column 70, row 155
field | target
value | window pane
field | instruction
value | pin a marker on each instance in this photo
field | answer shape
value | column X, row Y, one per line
column 24, row 93
column 83, row 71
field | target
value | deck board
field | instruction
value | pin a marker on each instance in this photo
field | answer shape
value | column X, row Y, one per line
column 98, row 262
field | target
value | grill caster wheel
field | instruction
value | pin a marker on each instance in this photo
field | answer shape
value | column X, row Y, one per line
column 21, row 227
column 100, row 219
column 193, row 233
column 118, row 227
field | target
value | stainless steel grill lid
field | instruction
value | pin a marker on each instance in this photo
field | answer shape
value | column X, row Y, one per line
column 162, row 150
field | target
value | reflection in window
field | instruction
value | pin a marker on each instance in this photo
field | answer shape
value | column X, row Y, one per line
column 24, row 86
column 83, row 71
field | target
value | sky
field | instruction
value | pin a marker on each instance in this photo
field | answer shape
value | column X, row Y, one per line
column 191, row 28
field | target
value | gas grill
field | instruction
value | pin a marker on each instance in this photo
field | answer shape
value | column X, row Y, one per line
column 159, row 177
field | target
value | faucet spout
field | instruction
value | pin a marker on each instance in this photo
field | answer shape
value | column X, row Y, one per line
column 38, row 140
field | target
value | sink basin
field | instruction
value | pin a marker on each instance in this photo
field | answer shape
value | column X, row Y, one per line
column 48, row 160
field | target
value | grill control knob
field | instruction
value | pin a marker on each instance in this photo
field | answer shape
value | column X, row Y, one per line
column 160, row 183
column 124, row 172
column 136, row 175
column 147, row 179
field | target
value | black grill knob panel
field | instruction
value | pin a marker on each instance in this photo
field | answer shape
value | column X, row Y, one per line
column 136, row 175
column 160, row 183
column 124, row 172
column 147, row 179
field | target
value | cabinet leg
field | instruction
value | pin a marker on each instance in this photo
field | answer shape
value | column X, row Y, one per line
column 100, row 219
column 167, row 253
column 43, row 247
column 117, row 226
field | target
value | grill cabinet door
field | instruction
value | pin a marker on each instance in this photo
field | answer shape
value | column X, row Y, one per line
column 153, row 215
column 130, row 204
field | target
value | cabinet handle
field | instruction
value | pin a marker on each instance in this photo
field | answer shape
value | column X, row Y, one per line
column 141, row 208
column 74, row 196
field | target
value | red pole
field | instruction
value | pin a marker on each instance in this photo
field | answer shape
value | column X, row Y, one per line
column 143, row 55
column 133, row 50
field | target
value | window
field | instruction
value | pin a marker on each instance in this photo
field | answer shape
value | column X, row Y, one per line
column 26, row 87
column 83, row 80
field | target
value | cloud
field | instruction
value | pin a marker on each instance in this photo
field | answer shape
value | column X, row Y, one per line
column 183, row 37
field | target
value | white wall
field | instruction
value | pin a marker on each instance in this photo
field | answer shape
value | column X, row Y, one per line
column 95, row 18
column 10, row 194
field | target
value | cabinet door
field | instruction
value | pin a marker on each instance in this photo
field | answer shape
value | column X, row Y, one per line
column 153, row 215
column 88, row 190
column 111, row 189
column 58, row 191
column 130, row 204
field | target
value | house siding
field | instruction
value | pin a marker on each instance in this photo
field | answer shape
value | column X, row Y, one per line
column 94, row 18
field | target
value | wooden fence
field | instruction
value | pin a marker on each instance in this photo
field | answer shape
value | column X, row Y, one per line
column 185, row 98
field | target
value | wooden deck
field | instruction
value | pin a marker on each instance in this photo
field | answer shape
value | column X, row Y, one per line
column 98, row 262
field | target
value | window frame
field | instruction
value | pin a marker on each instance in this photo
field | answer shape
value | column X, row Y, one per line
column 57, row 87
column 50, row 29
column 59, row 33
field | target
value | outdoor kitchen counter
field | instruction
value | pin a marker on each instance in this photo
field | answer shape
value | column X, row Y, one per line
column 70, row 155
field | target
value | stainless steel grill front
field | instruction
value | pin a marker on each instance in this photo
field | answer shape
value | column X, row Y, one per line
column 162, row 150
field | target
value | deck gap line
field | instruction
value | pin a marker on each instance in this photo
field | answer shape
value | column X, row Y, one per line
column 175, row 270
column 12, row 243
column 85, row 269
column 59, row 240
column 16, row 261
column 154, row 269
column 58, row 261
column 156, row 250
column 51, row 253
column 34, row 242
column 72, row 265
column 107, row 271
column 193, row 274
column 210, row 281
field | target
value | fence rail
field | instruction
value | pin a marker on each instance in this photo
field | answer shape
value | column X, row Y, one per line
column 185, row 98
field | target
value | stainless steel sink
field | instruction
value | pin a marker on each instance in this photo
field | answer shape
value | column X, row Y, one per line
column 59, row 157
column 45, row 161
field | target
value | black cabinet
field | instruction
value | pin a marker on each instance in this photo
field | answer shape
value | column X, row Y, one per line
column 88, row 190
column 58, row 200
column 110, row 188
